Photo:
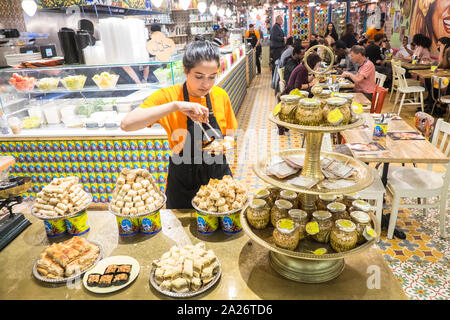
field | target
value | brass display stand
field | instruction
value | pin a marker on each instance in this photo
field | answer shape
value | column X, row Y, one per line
column 301, row 264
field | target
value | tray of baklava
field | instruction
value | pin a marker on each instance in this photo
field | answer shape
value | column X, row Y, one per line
column 185, row 271
column 65, row 261
column 111, row 274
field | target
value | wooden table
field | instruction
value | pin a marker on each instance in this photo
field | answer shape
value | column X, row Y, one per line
column 400, row 151
column 428, row 74
column 417, row 66
column 361, row 99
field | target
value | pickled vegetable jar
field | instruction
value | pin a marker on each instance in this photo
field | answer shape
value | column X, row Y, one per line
column 286, row 234
column 337, row 103
column 360, row 205
column 289, row 105
column 279, row 211
column 274, row 194
column 349, row 198
column 309, row 112
column 325, row 221
column 324, row 200
column 258, row 214
column 338, row 210
column 300, row 217
column 343, row 237
column 290, row 196
column 264, row 194
column 361, row 220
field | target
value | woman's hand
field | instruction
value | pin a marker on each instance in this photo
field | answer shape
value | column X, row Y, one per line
column 193, row 110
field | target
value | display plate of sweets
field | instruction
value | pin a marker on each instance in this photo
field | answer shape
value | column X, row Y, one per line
column 111, row 274
column 187, row 271
column 68, row 260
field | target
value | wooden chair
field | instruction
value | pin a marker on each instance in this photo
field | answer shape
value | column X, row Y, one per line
column 394, row 87
column 405, row 89
column 441, row 84
column 282, row 83
column 409, row 182
column 380, row 78
column 378, row 99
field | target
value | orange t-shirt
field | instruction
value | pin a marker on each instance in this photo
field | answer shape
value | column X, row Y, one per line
column 371, row 32
column 175, row 123
column 247, row 34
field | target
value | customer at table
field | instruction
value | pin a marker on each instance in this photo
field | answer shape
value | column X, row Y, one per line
column 293, row 61
column 314, row 40
column 340, row 51
column 406, row 50
column 373, row 51
column 287, row 51
column 299, row 78
column 422, row 51
column 443, row 45
column 348, row 36
column 364, row 79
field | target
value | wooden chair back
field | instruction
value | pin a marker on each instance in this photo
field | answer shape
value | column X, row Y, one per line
column 378, row 99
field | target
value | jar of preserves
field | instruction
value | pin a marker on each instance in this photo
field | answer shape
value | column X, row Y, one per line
column 338, row 211
column 288, row 104
column 349, row 198
column 347, row 96
column 308, row 113
column 324, row 200
column 290, row 196
column 300, row 217
column 323, row 96
column 258, row 214
column 360, row 205
column 325, row 222
column 264, row 194
column 274, row 194
column 361, row 220
column 343, row 237
column 286, row 235
column 279, row 211
column 339, row 103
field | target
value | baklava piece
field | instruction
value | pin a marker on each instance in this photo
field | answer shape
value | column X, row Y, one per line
column 105, row 280
column 120, row 278
column 93, row 279
column 124, row 268
column 111, row 269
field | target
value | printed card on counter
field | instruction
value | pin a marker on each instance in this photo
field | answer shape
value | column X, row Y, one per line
column 336, row 169
column 338, row 184
column 295, row 161
column 281, row 170
column 405, row 135
column 303, row 182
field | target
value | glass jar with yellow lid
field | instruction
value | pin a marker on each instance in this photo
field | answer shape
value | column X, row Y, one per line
column 309, row 112
column 340, row 104
column 300, row 217
column 323, row 96
column 325, row 224
column 349, row 198
column 361, row 220
column 360, row 205
column 343, row 236
column 324, row 200
column 345, row 95
column 264, row 194
column 288, row 105
column 338, row 210
column 279, row 211
column 258, row 214
column 290, row 196
column 286, row 235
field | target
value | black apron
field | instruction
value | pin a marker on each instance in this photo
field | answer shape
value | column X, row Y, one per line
column 254, row 39
column 184, row 179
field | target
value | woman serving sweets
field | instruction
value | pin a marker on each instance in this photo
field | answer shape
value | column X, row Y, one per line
column 182, row 110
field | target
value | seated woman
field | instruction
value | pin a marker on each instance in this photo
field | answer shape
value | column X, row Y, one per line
column 299, row 77
column 406, row 50
column 422, row 51
column 444, row 52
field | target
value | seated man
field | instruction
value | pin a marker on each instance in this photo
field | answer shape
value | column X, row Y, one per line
column 299, row 78
column 373, row 51
column 364, row 79
column 293, row 61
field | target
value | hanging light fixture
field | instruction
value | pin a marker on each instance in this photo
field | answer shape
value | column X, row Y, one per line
column 201, row 6
column 30, row 7
column 157, row 3
column 184, row 4
column 213, row 9
column 221, row 12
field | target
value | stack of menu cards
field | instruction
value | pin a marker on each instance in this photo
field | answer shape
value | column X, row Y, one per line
column 297, row 161
column 334, row 169
column 373, row 149
column 280, row 168
column 303, row 182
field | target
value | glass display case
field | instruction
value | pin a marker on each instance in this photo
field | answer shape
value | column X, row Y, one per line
column 80, row 96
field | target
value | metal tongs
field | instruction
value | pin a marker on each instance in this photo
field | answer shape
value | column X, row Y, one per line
column 209, row 139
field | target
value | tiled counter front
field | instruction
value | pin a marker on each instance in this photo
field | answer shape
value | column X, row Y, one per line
column 97, row 162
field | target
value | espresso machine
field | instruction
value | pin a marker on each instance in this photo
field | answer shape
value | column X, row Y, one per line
column 11, row 189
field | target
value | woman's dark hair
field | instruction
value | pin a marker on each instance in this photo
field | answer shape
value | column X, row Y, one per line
column 378, row 37
column 422, row 40
column 198, row 51
column 290, row 41
column 312, row 60
column 445, row 41
column 333, row 33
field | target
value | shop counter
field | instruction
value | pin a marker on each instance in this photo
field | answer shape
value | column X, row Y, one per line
column 246, row 273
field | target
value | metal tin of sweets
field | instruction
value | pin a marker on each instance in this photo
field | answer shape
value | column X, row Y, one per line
column 206, row 224
column 150, row 224
column 78, row 224
column 231, row 224
column 127, row 226
column 55, row 228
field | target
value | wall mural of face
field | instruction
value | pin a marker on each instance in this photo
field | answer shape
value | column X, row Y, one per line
column 441, row 18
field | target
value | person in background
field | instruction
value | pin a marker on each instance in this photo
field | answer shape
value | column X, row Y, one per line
column 288, row 51
column 373, row 51
column 331, row 34
column 218, row 37
column 293, row 61
column 314, row 40
column 422, row 51
column 340, row 51
column 255, row 37
column 226, row 36
column 349, row 36
column 444, row 52
column 364, row 79
column 299, row 77
column 406, row 50
column 277, row 41
column 371, row 32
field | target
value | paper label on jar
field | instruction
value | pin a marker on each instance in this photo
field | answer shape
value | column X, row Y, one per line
column 369, row 233
column 277, row 109
column 286, row 224
column 320, row 251
column 312, row 228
